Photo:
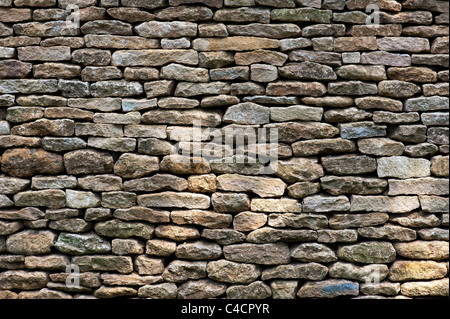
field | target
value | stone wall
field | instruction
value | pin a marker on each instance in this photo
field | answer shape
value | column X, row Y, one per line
column 95, row 201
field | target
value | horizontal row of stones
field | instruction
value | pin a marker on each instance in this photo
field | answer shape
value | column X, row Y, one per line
column 243, row 265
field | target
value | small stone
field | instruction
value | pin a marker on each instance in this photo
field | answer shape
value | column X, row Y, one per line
column 349, row 164
column 303, row 189
column 202, row 183
column 260, row 56
column 363, row 73
column 237, row 43
column 344, row 221
column 333, row 236
column 177, row 233
column 313, row 252
column 92, row 162
column 399, row 204
column 127, row 247
column 283, row 289
column 352, row 185
column 433, row 103
column 356, row 88
column 159, row 247
column 362, row 130
column 201, row 289
column 159, row 291
column 409, row 133
column 116, row 88
column 322, row 146
column 262, row 186
column 101, row 183
column 80, row 199
column 386, row 58
column 14, row 69
column 346, row 115
column 121, row 264
column 224, row 236
column 256, row 290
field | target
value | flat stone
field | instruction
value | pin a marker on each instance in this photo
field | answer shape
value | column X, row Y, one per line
column 333, row 236
column 198, row 250
column 399, row 204
column 403, row 167
column 81, row 244
column 97, row 104
column 417, row 219
column 11, row 185
column 419, row 186
column 344, row 221
column 359, row 273
column 243, row 15
column 248, row 221
column 434, row 288
column 201, row 289
column 135, row 166
column 313, row 252
column 388, row 232
column 120, row 264
column 49, row 198
column 7, row 228
column 154, row 57
column 30, row 242
column 349, row 164
column 433, row 250
column 303, row 189
column 386, row 58
column 14, row 69
column 23, row 280
column 92, row 162
column 180, row 271
column 256, row 290
column 433, row 204
column 224, row 236
column 159, row 291
column 61, row 144
column 368, row 252
column 335, row 185
column 265, row 254
column 185, row 117
column 283, row 88
column 328, row 289
column 262, row 186
column 363, row 73
column 283, row 205
column 417, row 270
column 80, row 199
column 237, row 43
column 230, row 202
column 116, row 228
column 260, row 56
column 322, row 146
column 362, row 130
column 202, row 183
column 356, row 88
column 409, row 133
column 177, row 233
column 118, row 199
column 203, row 218
column 292, row 131
column 112, row 144
column 434, row 103
column 28, row 213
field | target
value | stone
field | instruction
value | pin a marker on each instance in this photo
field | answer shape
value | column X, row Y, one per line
column 262, row 186
column 282, row 88
column 399, row 204
column 440, row 166
column 80, row 199
column 159, row 247
column 201, row 289
column 14, row 69
column 434, row 103
column 335, row 185
column 388, row 232
column 359, row 273
column 121, row 264
column 296, row 112
column 48, row 198
column 256, row 290
column 386, row 58
column 7, row 228
column 11, row 185
column 409, row 133
column 349, row 164
column 42, row 127
column 247, row 113
column 236, row 43
column 356, row 88
column 333, row 236
column 81, row 244
column 403, row 167
column 184, row 117
column 319, row 203
column 433, row 204
column 28, row 213
column 233, row 273
column 23, row 280
column 177, row 233
column 322, row 146
column 223, row 236
column 156, row 182
column 329, row 58
column 202, row 183
column 230, row 202
column 328, row 289
column 368, row 252
column 419, row 186
column 76, row 225
column 159, row 291
column 120, row 229
column 395, row 118
column 283, row 205
column 135, row 166
column 154, row 146
column 243, row 15
column 118, row 199
column 153, row 57
column 30, row 242
column 362, row 130
column 434, row 288
column 429, row 250
column 248, row 221
column 417, row 270
column 433, row 234
column 198, row 250
column 60, row 144
column 363, row 73
column 142, row 213
column 303, row 189
column 93, row 162
column 179, row 271
column 343, row 221
column 308, row 71
column 260, row 56
column 179, row 164
column 417, row 219
column 112, row 144
column 313, row 252
column 148, row 266
column 265, row 254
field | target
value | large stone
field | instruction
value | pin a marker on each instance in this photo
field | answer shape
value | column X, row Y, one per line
column 283, row 88
column 247, row 113
column 256, row 290
column 313, row 252
column 134, row 166
column 120, row 229
column 142, row 214
column 262, row 186
column 419, row 249
column 335, row 185
column 30, row 242
column 433, row 103
column 360, row 273
column 381, row 147
column 23, row 280
column 154, row 57
column 201, row 289
column 81, row 244
column 265, row 254
column 434, row 288
column 180, row 271
column 48, row 198
column 238, row 43
column 308, row 71
column 349, row 164
column 417, row 270
column 184, row 117
column 121, row 264
column 203, row 218
column 172, row 199
column 321, row 204
column 398, row 204
column 322, row 146
column 177, row 233
column 14, row 69
column 388, row 232
column 363, row 73
column 88, row 162
column 403, row 44
column 232, row 272
column 328, row 289
column 403, row 167
column 198, row 250
column 419, row 186
column 43, row 127
column 368, row 252
column 174, row 29
column 243, row 15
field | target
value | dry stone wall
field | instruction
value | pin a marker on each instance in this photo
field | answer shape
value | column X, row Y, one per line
column 100, row 102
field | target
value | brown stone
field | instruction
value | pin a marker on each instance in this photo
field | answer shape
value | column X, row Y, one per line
column 26, row 162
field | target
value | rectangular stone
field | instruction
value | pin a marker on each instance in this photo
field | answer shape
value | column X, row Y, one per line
column 154, row 57
column 28, row 86
column 155, row 131
column 44, row 53
column 97, row 104
column 384, row 204
column 238, row 43
column 107, row 41
column 103, row 130
column 419, row 186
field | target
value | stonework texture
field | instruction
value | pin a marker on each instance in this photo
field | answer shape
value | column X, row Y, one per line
column 97, row 114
